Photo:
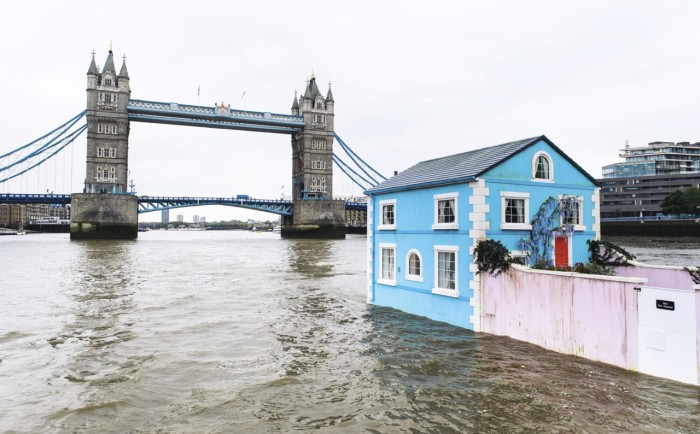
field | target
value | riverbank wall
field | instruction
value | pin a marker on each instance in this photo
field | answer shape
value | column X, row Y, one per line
column 654, row 228
column 644, row 319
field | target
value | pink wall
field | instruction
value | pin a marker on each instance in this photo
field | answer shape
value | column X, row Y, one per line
column 590, row 316
column 659, row 276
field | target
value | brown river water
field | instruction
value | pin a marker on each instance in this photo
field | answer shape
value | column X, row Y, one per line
column 240, row 332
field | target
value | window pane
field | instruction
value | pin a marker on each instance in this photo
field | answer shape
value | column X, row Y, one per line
column 414, row 265
column 446, row 211
column 515, row 210
column 575, row 217
column 388, row 264
column 542, row 168
column 388, row 214
column 446, row 270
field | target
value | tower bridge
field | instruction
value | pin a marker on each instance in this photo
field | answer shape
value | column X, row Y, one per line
column 106, row 209
column 103, row 210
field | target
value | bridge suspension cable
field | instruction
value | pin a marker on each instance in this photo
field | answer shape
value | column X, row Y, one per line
column 354, row 157
column 35, row 153
column 346, row 168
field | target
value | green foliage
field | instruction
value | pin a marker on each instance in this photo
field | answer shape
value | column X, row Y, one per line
column 694, row 274
column 686, row 201
column 674, row 203
column 608, row 255
column 579, row 267
column 492, row 257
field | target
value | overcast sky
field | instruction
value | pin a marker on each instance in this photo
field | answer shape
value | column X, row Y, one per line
column 411, row 81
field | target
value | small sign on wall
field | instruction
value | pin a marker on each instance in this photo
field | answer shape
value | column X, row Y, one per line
column 665, row 305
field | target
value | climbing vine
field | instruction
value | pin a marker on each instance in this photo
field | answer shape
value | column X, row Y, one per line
column 553, row 218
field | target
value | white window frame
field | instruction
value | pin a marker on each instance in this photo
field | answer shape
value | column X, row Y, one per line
column 382, row 226
column 415, row 277
column 381, row 279
column 445, row 196
column 534, row 167
column 112, row 153
column 446, row 291
column 515, row 195
column 580, row 226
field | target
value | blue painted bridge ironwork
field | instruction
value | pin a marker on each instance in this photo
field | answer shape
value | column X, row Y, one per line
column 159, row 203
column 218, row 116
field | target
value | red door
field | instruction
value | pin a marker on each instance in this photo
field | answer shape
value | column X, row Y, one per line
column 561, row 251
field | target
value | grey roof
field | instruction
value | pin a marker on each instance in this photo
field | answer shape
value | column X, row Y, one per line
column 109, row 64
column 123, row 73
column 461, row 167
column 295, row 104
column 311, row 89
column 329, row 97
column 93, row 66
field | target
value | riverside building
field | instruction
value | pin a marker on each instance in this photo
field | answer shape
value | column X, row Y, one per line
column 635, row 187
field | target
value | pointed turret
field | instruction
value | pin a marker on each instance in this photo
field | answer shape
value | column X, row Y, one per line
column 123, row 73
column 109, row 64
column 329, row 97
column 295, row 104
column 93, row 66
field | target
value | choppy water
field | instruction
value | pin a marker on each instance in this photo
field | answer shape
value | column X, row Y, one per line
column 223, row 332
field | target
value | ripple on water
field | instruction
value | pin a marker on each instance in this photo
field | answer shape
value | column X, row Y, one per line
column 234, row 332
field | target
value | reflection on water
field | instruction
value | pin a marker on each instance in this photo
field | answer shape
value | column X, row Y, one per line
column 241, row 332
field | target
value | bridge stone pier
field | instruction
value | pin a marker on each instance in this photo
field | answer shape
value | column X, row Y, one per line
column 106, row 209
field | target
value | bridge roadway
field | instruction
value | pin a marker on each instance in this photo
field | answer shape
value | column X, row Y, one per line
column 158, row 203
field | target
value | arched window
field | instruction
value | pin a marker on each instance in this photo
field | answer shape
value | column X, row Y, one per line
column 414, row 266
column 542, row 168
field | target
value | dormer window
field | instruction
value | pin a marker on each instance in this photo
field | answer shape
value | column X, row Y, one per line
column 542, row 167
column 108, row 81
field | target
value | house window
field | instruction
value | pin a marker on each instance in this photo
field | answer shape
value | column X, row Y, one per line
column 112, row 153
column 414, row 266
column 99, row 173
column 446, row 211
column 387, row 272
column 108, row 82
column 515, row 210
column 542, row 168
column 388, row 214
column 576, row 217
column 100, row 152
column 114, row 129
column 446, row 270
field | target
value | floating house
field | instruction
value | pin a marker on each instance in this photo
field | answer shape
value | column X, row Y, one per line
column 423, row 226
column 424, row 222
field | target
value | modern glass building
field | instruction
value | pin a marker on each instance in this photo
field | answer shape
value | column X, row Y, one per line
column 636, row 186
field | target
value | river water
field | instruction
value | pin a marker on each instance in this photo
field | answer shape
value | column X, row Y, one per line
column 219, row 332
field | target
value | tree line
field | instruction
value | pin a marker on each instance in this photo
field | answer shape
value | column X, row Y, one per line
column 686, row 201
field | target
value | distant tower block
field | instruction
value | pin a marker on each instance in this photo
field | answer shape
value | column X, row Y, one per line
column 104, row 210
column 316, row 214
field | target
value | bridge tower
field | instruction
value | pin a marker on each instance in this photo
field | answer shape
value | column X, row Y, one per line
column 105, row 209
column 316, row 214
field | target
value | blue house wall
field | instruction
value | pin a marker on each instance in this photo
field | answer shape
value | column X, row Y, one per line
column 414, row 218
column 515, row 173
column 479, row 215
